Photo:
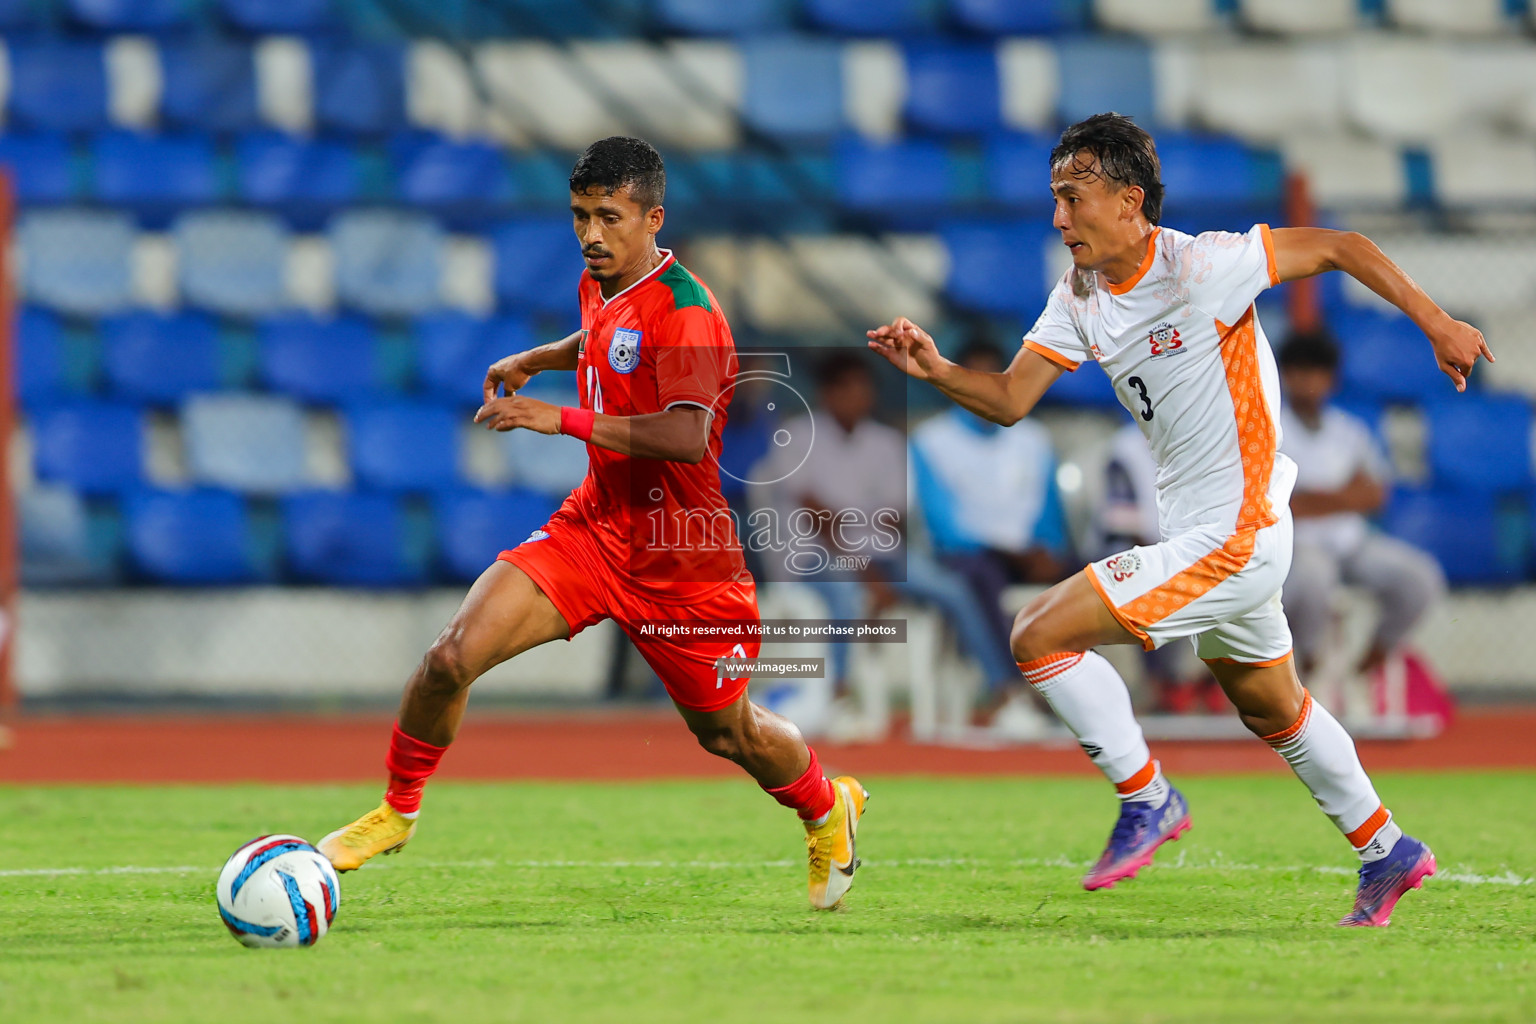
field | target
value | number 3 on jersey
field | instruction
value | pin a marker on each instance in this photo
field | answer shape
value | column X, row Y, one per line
column 594, row 389
column 1141, row 391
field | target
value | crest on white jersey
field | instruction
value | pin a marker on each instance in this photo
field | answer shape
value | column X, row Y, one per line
column 624, row 350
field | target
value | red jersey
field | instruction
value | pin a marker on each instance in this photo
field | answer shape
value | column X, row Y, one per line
column 661, row 342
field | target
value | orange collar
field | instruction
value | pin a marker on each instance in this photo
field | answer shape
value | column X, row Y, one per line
column 1141, row 271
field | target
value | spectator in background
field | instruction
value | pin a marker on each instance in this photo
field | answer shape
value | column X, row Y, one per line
column 857, row 466
column 988, row 497
column 1178, row 682
column 1341, row 479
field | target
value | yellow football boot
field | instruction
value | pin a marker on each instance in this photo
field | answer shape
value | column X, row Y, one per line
column 829, row 847
column 381, row 830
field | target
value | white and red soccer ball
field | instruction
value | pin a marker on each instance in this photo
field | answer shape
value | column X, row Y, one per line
column 278, row 892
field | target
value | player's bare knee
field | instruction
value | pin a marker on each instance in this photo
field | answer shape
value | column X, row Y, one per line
column 444, row 668
column 1032, row 636
column 722, row 741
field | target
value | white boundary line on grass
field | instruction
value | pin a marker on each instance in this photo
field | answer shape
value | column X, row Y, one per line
column 1217, row 862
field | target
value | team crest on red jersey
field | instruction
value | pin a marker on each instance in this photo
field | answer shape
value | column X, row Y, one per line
column 1165, row 340
column 1123, row 566
column 624, row 350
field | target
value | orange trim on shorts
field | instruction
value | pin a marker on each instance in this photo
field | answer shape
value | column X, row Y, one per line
column 1141, row 271
column 1139, row 780
column 1269, row 254
column 1131, row 627
column 1271, row 663
column 1055, row 357
column 1256, row 450
column 1362, row 835
column 1289, row 733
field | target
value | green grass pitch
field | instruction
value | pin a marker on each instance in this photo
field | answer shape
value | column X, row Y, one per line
column 685, row 901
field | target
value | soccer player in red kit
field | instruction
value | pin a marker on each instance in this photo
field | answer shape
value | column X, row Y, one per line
column 646, row 539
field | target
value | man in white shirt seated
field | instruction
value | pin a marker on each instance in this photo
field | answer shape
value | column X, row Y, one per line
column 1342, row 478
column 853, row 482
column 989, row 500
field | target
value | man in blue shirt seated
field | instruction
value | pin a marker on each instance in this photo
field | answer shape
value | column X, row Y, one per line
column 988, row 496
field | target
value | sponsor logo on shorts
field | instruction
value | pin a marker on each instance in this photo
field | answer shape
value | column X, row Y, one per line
column 624, row 350
column 1165, row 340
column 1123, row 567
column 536, row 535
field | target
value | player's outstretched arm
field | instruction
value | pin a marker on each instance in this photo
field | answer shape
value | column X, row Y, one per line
column 1305, row 252
column 679, row 434
column 513, row 372
column 1000, row 397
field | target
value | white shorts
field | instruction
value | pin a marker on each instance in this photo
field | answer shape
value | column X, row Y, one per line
column 1223, row 592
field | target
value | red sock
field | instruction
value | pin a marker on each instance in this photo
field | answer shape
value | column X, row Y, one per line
column 410, row 762
column 810, row 795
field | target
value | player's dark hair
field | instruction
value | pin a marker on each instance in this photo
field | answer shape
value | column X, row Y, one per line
column 980, row 346
column 612, row 163
column 1312, row 349
column 1125, row 153
column 839, row 366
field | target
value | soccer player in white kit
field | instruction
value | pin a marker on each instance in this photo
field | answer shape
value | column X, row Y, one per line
column 1170, row 318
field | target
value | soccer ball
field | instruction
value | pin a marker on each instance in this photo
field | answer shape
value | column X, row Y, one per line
column 277, row 892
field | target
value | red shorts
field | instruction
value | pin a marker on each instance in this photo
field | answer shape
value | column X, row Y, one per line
column 585, row 589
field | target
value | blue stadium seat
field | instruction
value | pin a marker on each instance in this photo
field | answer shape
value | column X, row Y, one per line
column 154, row 173
column 192, row 537
column 40, row 167
column 538, row 264
column 1461, row 529
column 404, row 446
column 388, row 262
column 459, row 180
column 1018, row 170
column 131, row 15
column 233, row 262
column 1121, row 79
column 274, row 16
column 359, row 88
column 254, row 444
column 58, row 85
column 350, row 539
column 552, row 465
column 794, row 85
column 94, row 447
column 997, row 267
column 952, row 88
column 453, row 350
column 154, row 357
column 19, row 14
column 862, row 18
column 304, row 179
column 40, row 366
column 1385, row 356
column 912, row 174
column 1087, row 386
column 473, row 527
column 1203, row 171
column 1017, row 17
column 209, row 85
column 1480, row 441
column 321, row 361
column 55, row 539
column 78, row 261
column 712, row 18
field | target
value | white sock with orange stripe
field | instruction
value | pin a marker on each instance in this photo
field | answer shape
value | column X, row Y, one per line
column 1323, row 757
column 1090, row 698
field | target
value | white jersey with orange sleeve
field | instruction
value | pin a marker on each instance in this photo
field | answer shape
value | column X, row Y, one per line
column 1182, row 344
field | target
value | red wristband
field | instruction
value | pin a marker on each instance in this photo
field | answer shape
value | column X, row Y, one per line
column 577, row 422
